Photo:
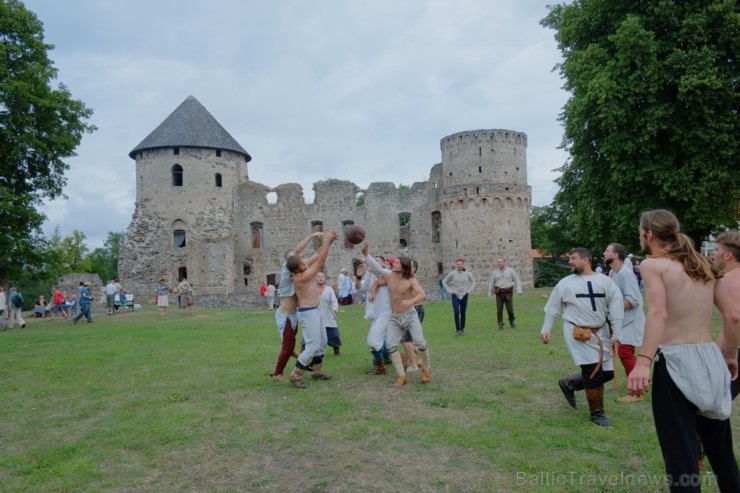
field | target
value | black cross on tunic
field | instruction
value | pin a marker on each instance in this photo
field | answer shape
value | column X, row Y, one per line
column 591, row 295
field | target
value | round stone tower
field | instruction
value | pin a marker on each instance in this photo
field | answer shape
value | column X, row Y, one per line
column 484, row 202
column 186, row 173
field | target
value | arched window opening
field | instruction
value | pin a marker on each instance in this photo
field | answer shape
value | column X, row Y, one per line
column 404, row 233
column 177, row 175
column 258, row 234
column 179, row 238
column 317, row 227
column 436, row 222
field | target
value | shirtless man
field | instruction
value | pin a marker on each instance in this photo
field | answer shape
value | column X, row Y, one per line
column 309, row 316
column 405, row 292
column 726, row 256
column 285, row 315
column 691, row 380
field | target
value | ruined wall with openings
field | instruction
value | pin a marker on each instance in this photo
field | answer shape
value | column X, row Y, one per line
column 475, row 205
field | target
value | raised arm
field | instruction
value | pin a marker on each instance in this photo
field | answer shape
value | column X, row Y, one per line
column 329, row 237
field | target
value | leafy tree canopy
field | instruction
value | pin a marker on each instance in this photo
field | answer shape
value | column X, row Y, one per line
column 652, row 117
column 551, row 231
column 40, row 126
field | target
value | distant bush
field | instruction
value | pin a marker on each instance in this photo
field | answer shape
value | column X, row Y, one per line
column 547, row 273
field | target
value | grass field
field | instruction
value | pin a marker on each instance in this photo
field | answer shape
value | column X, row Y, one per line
column 145, row 403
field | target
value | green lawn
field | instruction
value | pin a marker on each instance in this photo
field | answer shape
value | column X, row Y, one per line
column 141, row 402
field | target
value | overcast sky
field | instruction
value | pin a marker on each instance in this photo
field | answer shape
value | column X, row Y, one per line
column 348, row 89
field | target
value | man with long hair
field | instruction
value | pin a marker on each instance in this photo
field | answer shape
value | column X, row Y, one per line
column 406, row 293
column 691, row 381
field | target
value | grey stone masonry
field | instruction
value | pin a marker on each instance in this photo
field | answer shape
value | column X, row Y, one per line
column 198, row 215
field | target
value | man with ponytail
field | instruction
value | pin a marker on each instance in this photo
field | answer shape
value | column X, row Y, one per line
column 691, row 375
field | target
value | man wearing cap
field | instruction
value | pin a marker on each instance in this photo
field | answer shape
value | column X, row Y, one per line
column 85, row 300
column 459, row 283
column 344, row 284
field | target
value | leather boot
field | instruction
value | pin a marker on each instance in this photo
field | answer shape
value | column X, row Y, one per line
column 379, row 368
column 569, row 385
column 318, row 372
column 596, row 405
column 296, row 378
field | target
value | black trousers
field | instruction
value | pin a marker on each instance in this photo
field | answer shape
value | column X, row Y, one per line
column 677, row 424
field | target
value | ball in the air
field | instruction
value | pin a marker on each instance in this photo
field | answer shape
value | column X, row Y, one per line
column 354, row 234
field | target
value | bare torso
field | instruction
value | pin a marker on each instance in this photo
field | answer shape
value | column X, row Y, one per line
column 305, row 289
column 404, row 292
column 686, row 304
column 288, row 305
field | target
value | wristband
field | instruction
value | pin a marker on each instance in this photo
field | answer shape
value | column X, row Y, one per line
column 646, row 357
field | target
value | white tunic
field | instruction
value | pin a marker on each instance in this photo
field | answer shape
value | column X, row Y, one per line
column 700, row 373
column 633, row 324
column 327, row 303
column 588, row 301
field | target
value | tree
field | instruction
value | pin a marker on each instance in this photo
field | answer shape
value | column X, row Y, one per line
column 652, row 117
column 104, row 261
column 551, row 231
column 40, row 126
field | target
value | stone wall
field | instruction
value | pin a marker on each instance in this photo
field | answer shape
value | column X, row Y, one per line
column 475, row 205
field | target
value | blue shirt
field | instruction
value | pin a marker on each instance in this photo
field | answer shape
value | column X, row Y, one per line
column 83, row 300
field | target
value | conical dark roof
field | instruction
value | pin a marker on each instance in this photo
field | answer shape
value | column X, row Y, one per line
column 190, row 125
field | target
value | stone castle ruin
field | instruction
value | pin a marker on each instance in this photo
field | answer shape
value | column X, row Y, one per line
column 197, row 214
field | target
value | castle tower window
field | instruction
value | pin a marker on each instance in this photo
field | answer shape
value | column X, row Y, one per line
column 404, row 233
column 179, row 238
column 258, row 235
column 182, row 273
column 177, row 175
column 436, row 221
column 480, row 169
column 440, row 269
column 218, row 180
column 218, row 152
column 176, row 151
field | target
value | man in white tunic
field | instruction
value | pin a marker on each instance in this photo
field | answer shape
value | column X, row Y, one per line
column 633, row 323
column 691, row 381
column 328, row 306
column 381, row 302
column 591, row 301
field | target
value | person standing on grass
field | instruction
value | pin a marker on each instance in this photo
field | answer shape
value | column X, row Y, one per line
column 328, row 305
column 591, row 302
column 163, row 298
column 270, row 295
column 458, row 284
column 184, row 294
column 691, row 376
column 57, row 302
column 405, row 292
column 110, row 297
column 286, row 316
column 85, row 300
column 633, row 323
column 15, row 308
column 309, row 317
column 503, row 281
